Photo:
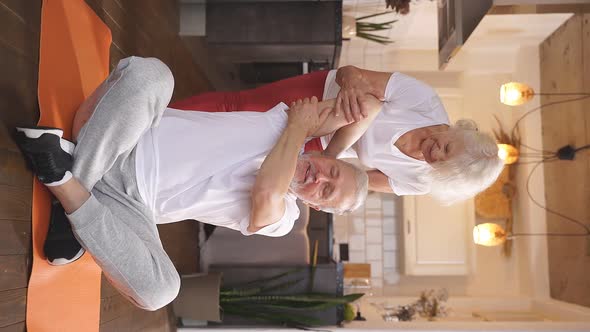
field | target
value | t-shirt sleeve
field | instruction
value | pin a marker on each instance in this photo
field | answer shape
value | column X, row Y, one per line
column 405, row 92
column 279, row 228
column 401, row 188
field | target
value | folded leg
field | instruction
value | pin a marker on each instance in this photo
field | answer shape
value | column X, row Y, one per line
column 123, row 239
column 129, row 102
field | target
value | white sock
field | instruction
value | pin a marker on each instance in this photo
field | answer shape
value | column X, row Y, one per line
column 67, row 146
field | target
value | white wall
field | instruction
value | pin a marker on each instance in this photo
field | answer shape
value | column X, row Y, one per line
column 494, row 44
column 414, row 36
column 373, row 234
column 501, row 49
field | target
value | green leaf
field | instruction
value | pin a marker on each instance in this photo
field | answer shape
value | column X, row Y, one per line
column 329, row 298
column 249, row 288
column 383, row 38
column 369, row 29
column 375, row 38
column 257, row 313
column 283, row 286
column 373, row 15
column 375, row 26
column 240, row 292
column 390, row 22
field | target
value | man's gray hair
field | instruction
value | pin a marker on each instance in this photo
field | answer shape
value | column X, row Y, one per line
column 469, row 173
column 360, row 195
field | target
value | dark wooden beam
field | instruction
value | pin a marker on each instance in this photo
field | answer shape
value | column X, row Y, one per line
column 14, row 272
column 15, row 203
column 12, row 309
column 15, row 237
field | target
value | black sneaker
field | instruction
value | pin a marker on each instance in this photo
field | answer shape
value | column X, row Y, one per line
column 61, row 246
column 49, row 154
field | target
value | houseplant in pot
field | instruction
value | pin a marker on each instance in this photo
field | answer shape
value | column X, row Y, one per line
column 358, row 27
column 269, row 301
column 274, row 301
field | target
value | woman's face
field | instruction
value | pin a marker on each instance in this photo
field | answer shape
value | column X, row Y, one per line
column 441, row 146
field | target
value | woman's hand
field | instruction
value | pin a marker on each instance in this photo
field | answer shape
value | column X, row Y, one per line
column 305, row 115
column 352, row 98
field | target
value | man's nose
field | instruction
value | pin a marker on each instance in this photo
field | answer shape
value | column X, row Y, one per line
column 438, row 153
column 320, row 177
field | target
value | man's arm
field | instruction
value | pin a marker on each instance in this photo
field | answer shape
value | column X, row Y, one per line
column 277, row 170
column 346, row 136
column 355, row 84
column 379, row 182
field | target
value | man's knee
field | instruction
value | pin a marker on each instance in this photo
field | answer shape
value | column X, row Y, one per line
column 161, row 295
column 149, row 71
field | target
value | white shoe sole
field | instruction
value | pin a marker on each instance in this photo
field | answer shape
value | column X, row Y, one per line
column 37, row 132
column 65, row 179
column 63, row 261
column 66, row 145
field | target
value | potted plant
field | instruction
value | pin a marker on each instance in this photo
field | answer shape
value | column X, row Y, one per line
column 357, row 27
column 271, row 301
column 268, row 300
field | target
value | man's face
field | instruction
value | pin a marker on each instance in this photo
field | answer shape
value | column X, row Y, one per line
column 324, row 181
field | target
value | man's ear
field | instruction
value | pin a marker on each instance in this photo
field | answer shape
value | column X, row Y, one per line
column 315, row 207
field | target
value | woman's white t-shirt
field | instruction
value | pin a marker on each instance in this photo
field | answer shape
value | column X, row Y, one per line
column 409, row 104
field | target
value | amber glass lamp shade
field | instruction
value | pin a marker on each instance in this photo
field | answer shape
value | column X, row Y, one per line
column 515, row 93
column 508, row 153
column 489, row 234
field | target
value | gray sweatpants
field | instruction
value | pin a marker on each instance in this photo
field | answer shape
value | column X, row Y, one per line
column 114, row 224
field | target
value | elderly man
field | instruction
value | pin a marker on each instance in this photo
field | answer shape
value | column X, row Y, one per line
column 137, row 163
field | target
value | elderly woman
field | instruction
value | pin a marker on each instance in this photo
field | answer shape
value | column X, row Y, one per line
column 395, row 125
column 410, row 144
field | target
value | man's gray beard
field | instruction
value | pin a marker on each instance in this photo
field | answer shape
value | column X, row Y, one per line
column 294, row 185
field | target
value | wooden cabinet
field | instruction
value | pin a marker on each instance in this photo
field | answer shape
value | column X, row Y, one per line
column 437, row 239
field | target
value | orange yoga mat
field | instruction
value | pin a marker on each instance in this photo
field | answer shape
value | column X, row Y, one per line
column 74, row 60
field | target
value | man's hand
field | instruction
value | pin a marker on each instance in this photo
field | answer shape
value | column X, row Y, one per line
column 305, row 115
column 355, row 88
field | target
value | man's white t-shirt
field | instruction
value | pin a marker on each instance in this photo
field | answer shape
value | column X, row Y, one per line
column 200, row 165
column 409, row 104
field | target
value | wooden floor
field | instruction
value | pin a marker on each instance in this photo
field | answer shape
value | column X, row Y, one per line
column 139, row 27
column 565, row 67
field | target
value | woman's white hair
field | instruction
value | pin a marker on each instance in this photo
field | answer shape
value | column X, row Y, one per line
column 469, row 173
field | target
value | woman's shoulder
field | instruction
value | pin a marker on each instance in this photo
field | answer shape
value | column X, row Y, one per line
column 408, row 178
column 438, row 111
